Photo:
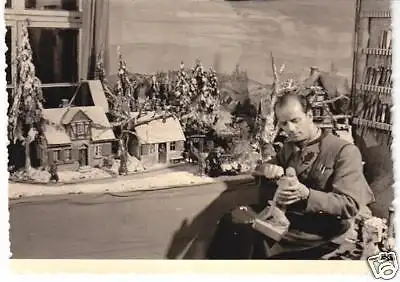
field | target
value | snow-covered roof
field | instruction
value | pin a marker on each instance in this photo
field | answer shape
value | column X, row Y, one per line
column 68, row 114
column 159, row 130
column 98, row 95
column 144, row 116
column 55, row 133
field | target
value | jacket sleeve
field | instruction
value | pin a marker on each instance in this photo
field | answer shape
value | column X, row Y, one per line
column 349, row 190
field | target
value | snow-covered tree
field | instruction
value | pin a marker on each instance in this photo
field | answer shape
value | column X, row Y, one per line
column 121, row 111
column 25, row 113
column 124, row 100
column 125, row 86
column 100, row 74
column 265, row 120
column 196, row 99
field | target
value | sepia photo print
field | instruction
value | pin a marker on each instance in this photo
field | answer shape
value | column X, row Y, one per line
column 201, row 129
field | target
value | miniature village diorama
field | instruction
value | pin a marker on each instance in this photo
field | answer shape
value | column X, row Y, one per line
column 132, row 122
column 128, row 123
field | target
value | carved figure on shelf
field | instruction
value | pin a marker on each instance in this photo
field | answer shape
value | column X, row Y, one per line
column 373, row 233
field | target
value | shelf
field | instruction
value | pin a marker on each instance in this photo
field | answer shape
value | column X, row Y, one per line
column 372, row 124
column 324, row 126
column 373, row 88
column 383, row 97
column 335, row 117
column 376, row 14
column 377, row 51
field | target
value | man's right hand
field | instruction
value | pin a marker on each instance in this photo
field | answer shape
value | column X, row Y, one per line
column 269, row 171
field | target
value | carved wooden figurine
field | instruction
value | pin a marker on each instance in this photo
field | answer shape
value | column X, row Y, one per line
column 373, row 234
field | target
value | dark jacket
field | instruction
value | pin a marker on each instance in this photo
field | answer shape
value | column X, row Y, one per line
column 332, row 169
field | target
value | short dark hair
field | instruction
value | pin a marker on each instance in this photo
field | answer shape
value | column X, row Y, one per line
column 303, row 100
column 282, row 100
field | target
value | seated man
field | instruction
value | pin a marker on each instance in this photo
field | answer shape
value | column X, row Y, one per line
column 323, row 197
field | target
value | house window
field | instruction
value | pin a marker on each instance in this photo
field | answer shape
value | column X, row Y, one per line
column 8, row 54
column 229, row 100
column 144, row 149
column 172, row 146
column 67, row 154
column 97, row 150
column 68, row 5
column 80, row 130
column 152, row 148
column 54, row 52
column 57, row 155
column 10, row 32
column 54, row 31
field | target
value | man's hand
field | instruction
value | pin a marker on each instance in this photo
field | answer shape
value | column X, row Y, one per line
column 269, row 171
column 290, row 189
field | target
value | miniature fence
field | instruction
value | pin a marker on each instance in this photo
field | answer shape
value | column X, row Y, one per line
column 372, row 73
column 372, row 94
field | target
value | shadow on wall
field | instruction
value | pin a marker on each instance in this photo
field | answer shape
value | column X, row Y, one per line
column 378, row 168
column 191, row 240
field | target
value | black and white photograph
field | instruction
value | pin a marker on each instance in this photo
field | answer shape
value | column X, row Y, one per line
column 201, row 130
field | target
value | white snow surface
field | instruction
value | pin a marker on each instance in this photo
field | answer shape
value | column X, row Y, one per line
column 133, row 164
column 170, row 179
column 88, row 174
column 43, row 176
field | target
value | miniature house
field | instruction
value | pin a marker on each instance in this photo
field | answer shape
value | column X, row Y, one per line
column 76, row 137
column 158, row 140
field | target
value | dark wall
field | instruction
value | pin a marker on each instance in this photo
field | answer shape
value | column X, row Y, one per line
column 375, row 149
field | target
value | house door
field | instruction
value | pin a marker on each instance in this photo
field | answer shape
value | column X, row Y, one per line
column 162, row 153
column 83, row 156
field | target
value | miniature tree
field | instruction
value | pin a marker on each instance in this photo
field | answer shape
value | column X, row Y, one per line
column 163, row 88
column 155, row 93
column 213, row 82
column 198, row 96
column 120, row 101
column 100, row 74
column 195, row 101
column 25, row 114
column 268, row 129
column 125, row 83
column 123, row 101
column 181, row 98
column 240, row 81
column 122, row 111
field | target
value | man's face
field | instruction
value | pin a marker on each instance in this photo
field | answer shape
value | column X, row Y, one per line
column 294, row 121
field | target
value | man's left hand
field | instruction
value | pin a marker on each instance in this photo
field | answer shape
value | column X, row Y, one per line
column 291, row 190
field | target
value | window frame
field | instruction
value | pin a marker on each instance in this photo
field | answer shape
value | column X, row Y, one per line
column 144, row 149
column 68, row 154
column 172, row 146
column 98, row 150
column 57, row 155
column 80, row 130
column 17, row 14
column 13, row 28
